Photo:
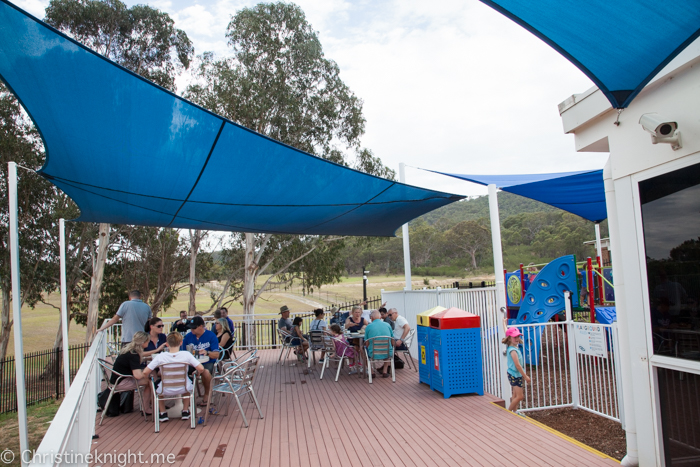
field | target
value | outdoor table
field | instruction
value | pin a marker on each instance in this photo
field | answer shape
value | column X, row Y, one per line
column 361, row 337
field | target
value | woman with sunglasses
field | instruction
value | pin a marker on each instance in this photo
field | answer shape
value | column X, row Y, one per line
column 156, row 338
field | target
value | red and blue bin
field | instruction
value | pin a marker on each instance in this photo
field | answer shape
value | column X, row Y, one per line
column 455, row 343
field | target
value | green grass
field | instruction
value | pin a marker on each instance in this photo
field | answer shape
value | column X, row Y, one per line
column 39, row 325
column 39, row 416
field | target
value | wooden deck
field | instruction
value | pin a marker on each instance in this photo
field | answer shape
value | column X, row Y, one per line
column 309, row 422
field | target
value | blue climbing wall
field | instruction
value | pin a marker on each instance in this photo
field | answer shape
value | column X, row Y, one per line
column 543, row 300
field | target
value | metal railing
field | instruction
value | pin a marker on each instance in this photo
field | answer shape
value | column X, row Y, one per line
column 73, row 426
column 43, row 375
column 258, row 331
column 557, row 380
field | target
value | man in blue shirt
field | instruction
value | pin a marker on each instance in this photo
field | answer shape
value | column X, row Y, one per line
column 134, row 313
column 205, row 344
column 378, row 328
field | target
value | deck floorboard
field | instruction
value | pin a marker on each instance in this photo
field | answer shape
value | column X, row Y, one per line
column 316, row 423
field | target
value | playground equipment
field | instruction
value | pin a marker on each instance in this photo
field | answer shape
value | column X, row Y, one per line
column 537, row 297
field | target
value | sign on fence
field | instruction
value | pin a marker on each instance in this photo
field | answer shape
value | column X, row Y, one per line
column 590, row 340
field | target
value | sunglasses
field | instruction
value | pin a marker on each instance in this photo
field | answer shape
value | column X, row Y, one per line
column 159, row 325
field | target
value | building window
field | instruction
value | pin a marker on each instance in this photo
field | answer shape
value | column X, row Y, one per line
column 679, row 394
column 671, row 222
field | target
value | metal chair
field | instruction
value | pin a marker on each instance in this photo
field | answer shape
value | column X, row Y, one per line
column 332, row 354
column 221, row 359
column 237, row 381
column 316, row 343
column 107, row 372
column 382, row 352
column 286, row 341
column 173, row 376
column 407, row 353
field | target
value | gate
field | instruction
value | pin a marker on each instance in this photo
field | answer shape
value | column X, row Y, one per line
column 589, row 381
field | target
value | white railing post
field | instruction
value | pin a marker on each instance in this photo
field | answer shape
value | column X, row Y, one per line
column 65, row 315
column 16, row 309
column 437, row 295
column 573, row 359
column 618, row 376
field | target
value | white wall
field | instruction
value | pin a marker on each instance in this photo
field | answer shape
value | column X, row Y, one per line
column 675, row 93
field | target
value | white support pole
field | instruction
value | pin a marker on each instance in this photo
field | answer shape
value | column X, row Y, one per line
column 573, row 356
column 598, row 246
column 404, row 229
column 16, row 310
column 64, row 305
column 500, row 282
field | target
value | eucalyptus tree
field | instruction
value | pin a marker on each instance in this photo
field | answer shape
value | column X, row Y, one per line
column 279, row 83
column 144, row 40
column 20, row 142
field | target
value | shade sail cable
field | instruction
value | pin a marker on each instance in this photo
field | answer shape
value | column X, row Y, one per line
column 216, row 140
column 129, row 152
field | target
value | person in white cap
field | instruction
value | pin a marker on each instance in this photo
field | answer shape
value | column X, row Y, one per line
column 516, row 373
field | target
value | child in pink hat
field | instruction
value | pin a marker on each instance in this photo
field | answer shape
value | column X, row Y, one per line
column 516, row 374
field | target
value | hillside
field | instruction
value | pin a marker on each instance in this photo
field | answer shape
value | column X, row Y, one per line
column 475, row 208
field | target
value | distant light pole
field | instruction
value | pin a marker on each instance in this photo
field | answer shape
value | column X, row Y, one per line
column 364, row 285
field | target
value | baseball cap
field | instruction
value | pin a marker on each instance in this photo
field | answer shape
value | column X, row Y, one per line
column 196, row 322
column 513, row 332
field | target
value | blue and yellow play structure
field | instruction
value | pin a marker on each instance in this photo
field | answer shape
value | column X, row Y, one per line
column 537, row 297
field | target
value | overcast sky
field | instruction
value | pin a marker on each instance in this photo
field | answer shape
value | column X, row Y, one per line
column 451, row 86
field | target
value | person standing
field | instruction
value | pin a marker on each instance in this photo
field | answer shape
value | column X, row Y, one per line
column 516, row 373
column 134, row 313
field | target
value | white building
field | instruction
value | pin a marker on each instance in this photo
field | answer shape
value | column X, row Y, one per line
column 653, row 201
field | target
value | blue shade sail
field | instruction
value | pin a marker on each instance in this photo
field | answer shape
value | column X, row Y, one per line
column 620, row 45
column 580, row 193
column 129, row 152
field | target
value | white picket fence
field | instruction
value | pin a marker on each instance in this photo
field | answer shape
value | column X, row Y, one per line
column 585, row 382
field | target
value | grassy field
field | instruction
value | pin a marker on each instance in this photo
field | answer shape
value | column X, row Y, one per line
column 39, row 417
column 39, row 325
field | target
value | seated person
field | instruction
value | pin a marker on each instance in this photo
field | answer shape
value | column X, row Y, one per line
column 224, row 314
column 401, row 329
column 181, row 324
column 298, row 339
column 385, row 317
column 355, row 323
column 338, row 317
column 343, row 347
column 378, row 328
column 217, row 315
column 319, row 324
column 285, row 324
column 661, row 315
column 205, row 344
column 174, row 355
column 223, row 333
column 156, row 338
column 128, row 363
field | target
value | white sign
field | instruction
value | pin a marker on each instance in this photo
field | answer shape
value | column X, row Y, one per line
column 590, row 339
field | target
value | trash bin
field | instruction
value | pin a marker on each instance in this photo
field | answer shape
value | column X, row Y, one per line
column 455, row 363
column 423, row 335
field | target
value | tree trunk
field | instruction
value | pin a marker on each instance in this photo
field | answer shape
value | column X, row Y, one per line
column 98, row 269
column 5, row 321
column 195, row 240
column 249, row 297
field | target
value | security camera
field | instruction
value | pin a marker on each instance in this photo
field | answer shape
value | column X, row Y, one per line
column 662, row 130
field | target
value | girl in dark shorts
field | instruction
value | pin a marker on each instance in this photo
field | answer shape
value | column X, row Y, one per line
column 516, row 374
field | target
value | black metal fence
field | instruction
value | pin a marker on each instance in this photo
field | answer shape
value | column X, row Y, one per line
column 266, row 329
column 43, row 375
column 474, row 285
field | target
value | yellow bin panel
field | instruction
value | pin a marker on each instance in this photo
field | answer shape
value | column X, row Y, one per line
column 424, row 317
